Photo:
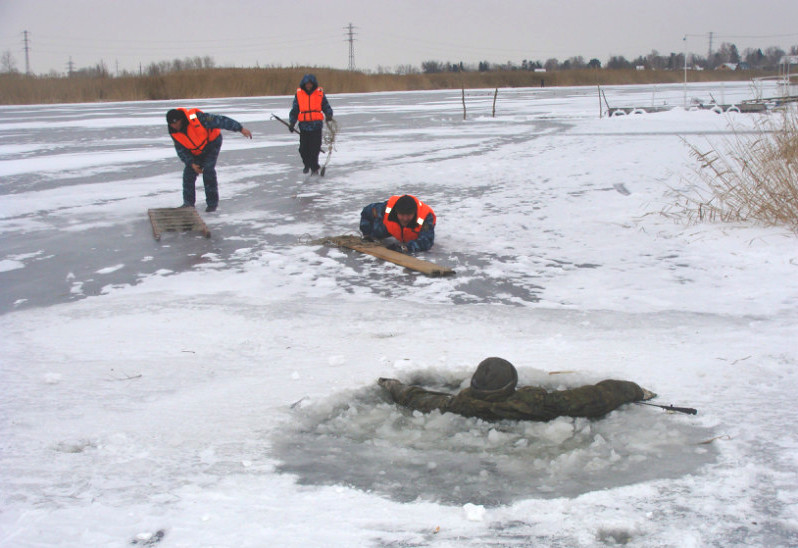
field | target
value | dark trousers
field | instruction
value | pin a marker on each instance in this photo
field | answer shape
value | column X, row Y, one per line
column 207, row 161
column 309, row 148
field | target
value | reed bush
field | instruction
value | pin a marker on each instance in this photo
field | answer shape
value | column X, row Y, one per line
column 249, row 82
column 747, row 179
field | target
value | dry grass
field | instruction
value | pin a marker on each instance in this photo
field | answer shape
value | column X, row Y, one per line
column 229, row 82
column 748, row 179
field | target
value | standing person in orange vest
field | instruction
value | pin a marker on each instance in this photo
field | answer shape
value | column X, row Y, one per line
column 198, row 139
column 406, row 218
column 309, row 109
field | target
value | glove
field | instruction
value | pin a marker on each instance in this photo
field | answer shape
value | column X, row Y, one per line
column 291, row 128
column 329, row 118
column 397, row 247
column 387, row 383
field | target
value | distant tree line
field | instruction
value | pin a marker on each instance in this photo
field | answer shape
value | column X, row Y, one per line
column 9, row 65
column 727, row 54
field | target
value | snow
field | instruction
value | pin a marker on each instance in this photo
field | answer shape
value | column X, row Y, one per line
column 222, row 392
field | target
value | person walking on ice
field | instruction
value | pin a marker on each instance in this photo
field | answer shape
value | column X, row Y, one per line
column 309, row 109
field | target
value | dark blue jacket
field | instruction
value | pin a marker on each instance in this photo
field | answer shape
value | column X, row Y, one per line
column 371, row 226
column 293, row 116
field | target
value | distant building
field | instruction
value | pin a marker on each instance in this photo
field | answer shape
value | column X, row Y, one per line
column 727, row 66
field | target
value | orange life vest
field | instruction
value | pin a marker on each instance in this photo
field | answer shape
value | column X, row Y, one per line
column 196, row 136
column 310, row 105
column 409, row 232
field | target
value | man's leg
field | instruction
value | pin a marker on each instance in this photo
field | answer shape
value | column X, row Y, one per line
column 304, row 150
column 189, row 178
column 209, row 157
column 315, row 148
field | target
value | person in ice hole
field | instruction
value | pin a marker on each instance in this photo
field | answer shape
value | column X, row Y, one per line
column 493, row 396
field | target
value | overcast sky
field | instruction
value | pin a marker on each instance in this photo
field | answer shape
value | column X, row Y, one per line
column 126, row 33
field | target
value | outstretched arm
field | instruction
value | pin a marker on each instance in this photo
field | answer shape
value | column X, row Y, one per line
column 415, row 397
column 594, row 400
column 217, row 121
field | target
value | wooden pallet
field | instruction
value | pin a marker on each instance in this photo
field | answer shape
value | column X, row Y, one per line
column 176, row 219
column 378, row 250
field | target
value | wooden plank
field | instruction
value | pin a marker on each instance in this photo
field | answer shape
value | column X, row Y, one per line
column 378, row 250
column 176, row 219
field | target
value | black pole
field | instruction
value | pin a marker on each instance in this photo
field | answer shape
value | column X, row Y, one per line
column 685, row 410
column 284, row 123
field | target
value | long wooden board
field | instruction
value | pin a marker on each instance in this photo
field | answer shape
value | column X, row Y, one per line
column 176, row 219
column 380, row 251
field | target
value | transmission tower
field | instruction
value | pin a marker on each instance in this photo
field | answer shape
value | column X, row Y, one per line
column 709, row 55
column 70, row 66
column 351, row 39
column 27, row 56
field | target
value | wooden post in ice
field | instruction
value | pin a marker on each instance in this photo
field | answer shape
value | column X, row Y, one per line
column 463, row 98
column 495, row 94
column 600, row 112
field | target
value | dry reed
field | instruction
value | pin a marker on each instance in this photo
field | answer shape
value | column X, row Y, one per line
column 747, row 179
column 252, row 82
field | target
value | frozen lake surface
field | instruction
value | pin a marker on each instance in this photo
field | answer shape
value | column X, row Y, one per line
column 221, row 392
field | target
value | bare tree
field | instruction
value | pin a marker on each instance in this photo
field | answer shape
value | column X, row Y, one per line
column 618, row 62
column 7, row 63
column 577, row 62
column 551, row 64
column 431, row 67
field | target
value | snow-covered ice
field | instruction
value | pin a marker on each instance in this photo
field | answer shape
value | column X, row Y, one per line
column 221, row 392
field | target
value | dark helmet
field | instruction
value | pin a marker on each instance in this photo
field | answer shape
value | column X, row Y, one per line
column 174, row 115
column 494, row 377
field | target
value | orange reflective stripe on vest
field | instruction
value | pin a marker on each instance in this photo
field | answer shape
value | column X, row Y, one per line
column 410, row 232
column 310, row 105
column 196, row 136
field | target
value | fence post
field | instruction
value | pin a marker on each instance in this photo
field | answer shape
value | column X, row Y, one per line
column 600, row 111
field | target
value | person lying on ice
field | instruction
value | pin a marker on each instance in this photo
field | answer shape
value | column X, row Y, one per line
column 198, row 140
column 405, row 218
column 493, row 396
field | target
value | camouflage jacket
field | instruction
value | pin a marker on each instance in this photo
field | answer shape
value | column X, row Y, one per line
column 527, row 403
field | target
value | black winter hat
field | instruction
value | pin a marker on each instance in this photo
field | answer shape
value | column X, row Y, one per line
column 405, row 204
column 494, row 377
column 174, row 115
